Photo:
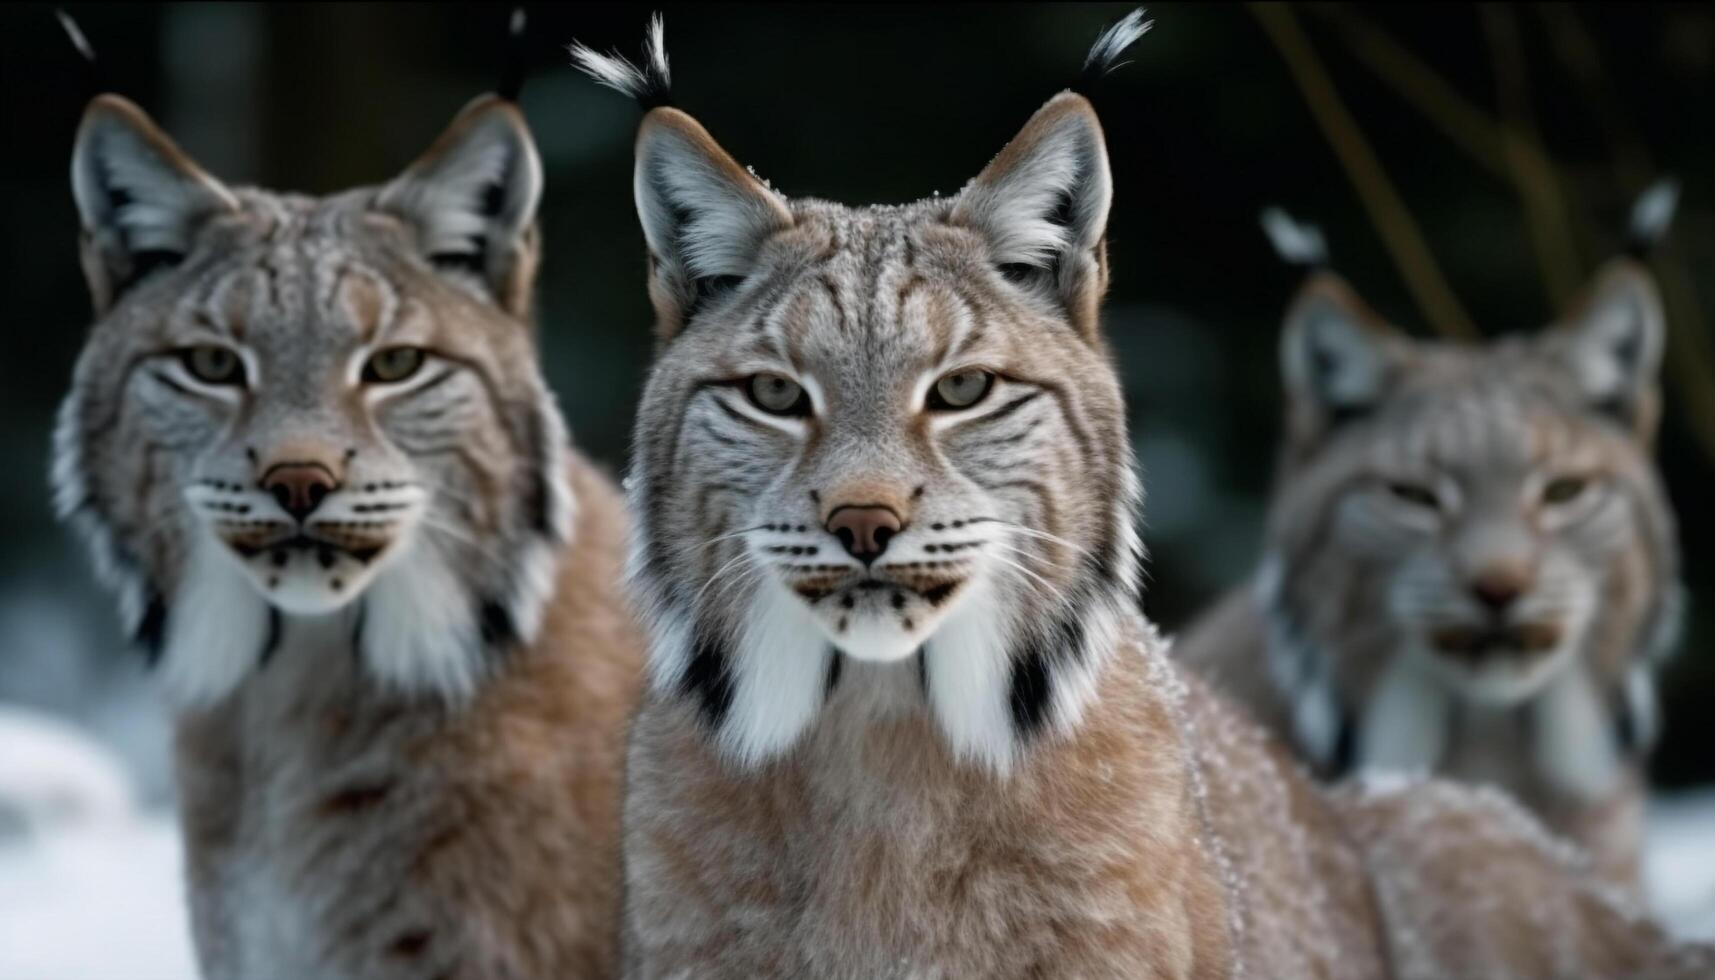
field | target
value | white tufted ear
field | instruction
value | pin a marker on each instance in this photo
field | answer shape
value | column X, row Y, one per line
column 1336, row 356
column 704, row 216
column 139, row 197
column 472, row 199
column 1042, row 204
column 1613, row 343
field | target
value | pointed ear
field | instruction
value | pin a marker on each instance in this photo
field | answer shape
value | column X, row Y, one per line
column 1612, row 341
column 139, row 197
column 472, row 200
column 1043, row 206
column 1337, row 357
column 704, row 216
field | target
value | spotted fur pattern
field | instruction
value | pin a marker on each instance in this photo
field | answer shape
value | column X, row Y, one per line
column 1471, row 566
column 339, row 649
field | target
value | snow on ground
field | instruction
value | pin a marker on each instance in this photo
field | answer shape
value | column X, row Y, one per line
column 91, row 886
column 95, row 903
column 1679, row 862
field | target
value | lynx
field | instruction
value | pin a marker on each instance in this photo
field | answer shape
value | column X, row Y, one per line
column 902, row 717
column 1471, row 566
column 309, row 444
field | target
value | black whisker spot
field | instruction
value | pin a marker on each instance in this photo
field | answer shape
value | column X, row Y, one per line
column 899, row 600
column 937, row 594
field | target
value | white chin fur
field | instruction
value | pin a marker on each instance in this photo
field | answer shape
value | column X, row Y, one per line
column 301, row 586
column 1404, row 726
column 419, row 628
column 969, row 679
column 877, row 639
column 1573, row 739
column 780, row 670
column 215, row 629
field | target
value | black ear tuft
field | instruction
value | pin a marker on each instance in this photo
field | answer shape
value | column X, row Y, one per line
column 515, row 61
column 650, row 83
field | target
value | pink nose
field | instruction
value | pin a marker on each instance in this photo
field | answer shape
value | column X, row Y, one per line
column 864, row 530
column 1498, row 588
column 299, row 487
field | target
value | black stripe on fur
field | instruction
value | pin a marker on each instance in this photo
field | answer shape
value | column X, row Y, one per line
column 708, row 675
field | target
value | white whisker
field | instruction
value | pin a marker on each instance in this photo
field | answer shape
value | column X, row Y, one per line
column 1009, row 563
column 743, row 554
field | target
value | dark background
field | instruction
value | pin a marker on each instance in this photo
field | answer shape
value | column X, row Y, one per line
column 1542, row 123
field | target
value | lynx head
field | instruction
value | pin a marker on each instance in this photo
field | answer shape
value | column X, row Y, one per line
column 1487, row 512
column 294, row 407
column 888, row 435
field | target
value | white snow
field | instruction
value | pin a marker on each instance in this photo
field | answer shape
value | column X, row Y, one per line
column 91, row 886
column 1679, row 862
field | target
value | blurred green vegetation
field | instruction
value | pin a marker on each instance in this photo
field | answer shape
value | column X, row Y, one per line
column 1510, row 141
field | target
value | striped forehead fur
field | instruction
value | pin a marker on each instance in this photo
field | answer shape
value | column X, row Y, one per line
column 145, row 467
column 1518, row 409
column 854, row 302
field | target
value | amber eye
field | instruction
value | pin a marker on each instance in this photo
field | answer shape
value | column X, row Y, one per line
column 1415, row 494
column 1564, row 490
column 778, row 395
column 212, row 364
column 393, row 365
column 961, row 389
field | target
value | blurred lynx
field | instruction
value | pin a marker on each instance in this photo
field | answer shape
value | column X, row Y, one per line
column 1471, row 567
column 903, row 719
column 310, row 446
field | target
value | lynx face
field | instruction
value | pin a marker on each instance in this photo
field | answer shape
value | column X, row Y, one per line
column 879, row 434
column 294, row 407
column 1480, row 520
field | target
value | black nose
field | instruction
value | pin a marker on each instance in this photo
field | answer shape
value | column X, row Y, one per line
column 864, row 530
column 299, row 487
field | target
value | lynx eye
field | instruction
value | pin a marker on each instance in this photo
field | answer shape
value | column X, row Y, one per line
column 393, row 365
column 1415, row 494
column 777, row 395
column 213, row 364
column 1565, row 489
column 961, row 389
